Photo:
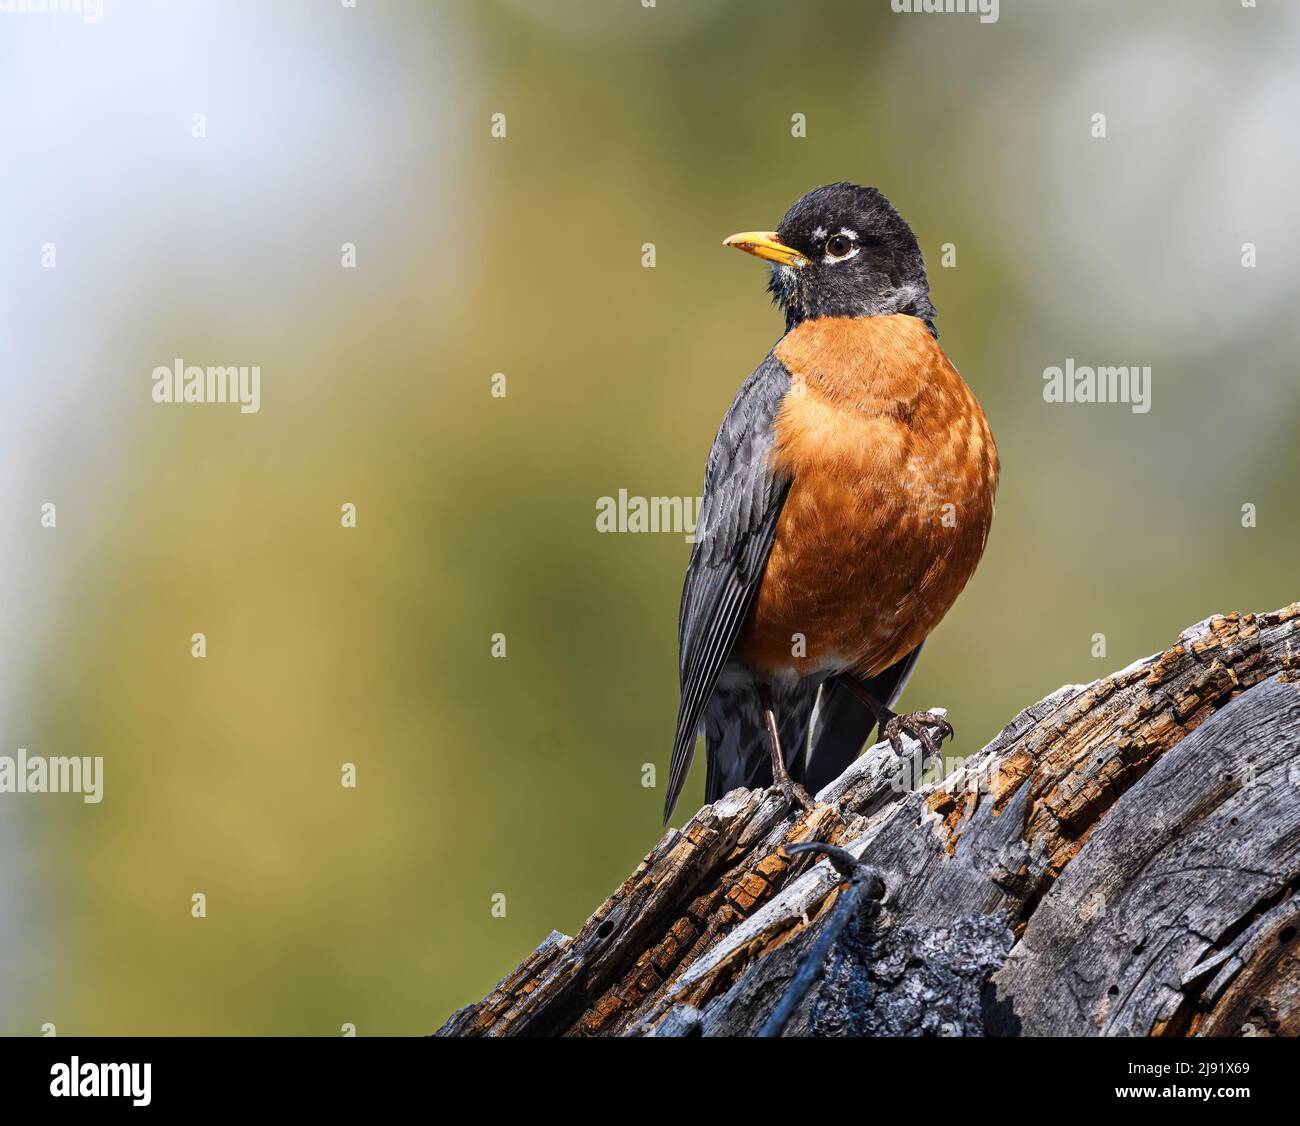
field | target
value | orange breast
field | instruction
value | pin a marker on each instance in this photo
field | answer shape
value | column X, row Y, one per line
column 894, row 472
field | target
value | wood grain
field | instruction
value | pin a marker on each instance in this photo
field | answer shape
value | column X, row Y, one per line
column 1122, row 859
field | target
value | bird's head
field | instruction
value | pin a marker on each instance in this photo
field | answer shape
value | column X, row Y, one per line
column 842, row 251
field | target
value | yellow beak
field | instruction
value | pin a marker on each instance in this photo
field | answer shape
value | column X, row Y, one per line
column 765, row 244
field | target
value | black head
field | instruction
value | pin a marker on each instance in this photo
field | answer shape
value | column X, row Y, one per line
column 843, row 251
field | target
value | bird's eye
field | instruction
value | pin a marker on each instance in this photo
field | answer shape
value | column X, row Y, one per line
column 838, row 246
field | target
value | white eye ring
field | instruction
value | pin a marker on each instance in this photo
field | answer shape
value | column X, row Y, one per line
column 845, row 245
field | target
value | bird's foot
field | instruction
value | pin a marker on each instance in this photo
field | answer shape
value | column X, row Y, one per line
column 796, row 797
column 927, row 728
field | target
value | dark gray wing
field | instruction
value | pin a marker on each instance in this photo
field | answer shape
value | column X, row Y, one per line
column 733, row 536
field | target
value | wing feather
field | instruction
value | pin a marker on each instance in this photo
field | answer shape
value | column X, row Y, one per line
column 733, row 538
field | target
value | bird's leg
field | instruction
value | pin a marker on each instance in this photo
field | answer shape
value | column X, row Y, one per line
column 794, row 793
column 916, row 724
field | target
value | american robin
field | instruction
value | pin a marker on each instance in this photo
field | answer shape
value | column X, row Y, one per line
column 847, row 500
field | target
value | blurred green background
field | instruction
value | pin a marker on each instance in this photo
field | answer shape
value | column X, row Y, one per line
column 476, row 515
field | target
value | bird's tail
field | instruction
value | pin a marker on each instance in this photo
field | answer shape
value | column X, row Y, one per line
column 737, row 738
column 818, row 742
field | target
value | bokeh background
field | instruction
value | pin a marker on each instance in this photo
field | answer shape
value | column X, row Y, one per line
column 476, row 515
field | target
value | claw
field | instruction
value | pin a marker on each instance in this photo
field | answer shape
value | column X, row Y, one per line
column 916, row 724
column 796, row 795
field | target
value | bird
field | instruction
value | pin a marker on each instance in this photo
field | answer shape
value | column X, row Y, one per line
column 848, row 497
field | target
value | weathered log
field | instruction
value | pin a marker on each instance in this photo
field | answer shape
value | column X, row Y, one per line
column 1122, row 859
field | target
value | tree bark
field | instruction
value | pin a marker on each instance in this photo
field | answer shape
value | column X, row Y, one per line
column 1120, row 860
